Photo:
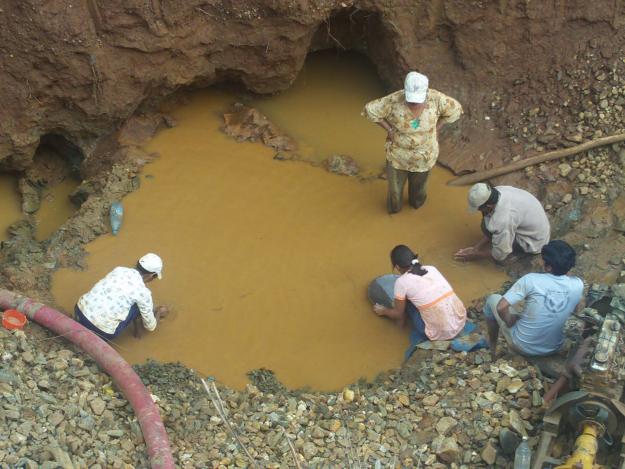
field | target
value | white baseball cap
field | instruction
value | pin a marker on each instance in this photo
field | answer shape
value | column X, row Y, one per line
column 416, row 87
column 152, row 263
column 478, row 195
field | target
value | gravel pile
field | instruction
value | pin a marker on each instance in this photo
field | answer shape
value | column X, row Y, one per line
column 449, row 410
column 58, row 411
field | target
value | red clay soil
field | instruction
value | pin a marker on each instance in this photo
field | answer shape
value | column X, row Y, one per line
column 80, row 69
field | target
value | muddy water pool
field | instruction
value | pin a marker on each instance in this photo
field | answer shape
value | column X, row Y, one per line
column 55, row 209
column 10, row 211
column 267, row 262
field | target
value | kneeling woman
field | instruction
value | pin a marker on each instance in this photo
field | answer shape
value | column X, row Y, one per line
column 423, row 295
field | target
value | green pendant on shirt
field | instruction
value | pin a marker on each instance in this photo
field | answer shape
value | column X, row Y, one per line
column 415, row 123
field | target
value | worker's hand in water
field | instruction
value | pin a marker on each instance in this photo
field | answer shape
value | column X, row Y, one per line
column 378, row 309
column 160, row 312
column 465, row 254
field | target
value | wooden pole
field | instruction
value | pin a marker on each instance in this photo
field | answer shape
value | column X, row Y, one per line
column 534, row 160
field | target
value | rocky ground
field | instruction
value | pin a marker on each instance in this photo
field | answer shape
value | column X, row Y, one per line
column 58, row 410
column 61, row 412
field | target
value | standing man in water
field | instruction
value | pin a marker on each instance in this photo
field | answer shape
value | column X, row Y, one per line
column 412, row 118
column 120, row 297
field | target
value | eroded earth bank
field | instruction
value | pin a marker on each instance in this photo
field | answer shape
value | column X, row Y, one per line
column 82, row 91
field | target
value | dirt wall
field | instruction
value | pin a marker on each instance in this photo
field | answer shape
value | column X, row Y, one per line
column 79, row 69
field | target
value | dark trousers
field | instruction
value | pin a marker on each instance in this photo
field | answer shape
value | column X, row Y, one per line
column 396, row 178
column 132, row 314
column 418, row 326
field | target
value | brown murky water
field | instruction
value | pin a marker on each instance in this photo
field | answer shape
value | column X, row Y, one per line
column 55, row 209
column 322, row 108
column 267, row 262
column 10, row 211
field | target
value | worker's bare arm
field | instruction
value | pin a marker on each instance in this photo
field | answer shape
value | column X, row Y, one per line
column 482, row 250
column 397, row 313
column 503, row 309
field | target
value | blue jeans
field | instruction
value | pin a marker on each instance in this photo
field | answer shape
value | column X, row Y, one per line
column 417, row 334
column 132, row 314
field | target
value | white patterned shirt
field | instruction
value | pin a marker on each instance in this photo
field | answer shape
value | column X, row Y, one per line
column 109, row 301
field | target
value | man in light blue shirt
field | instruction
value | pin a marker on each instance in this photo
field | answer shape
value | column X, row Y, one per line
column 549, row 299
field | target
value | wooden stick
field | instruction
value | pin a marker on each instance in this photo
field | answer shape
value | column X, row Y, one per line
column 292, row 448
column 534, row 160
column 218, row 403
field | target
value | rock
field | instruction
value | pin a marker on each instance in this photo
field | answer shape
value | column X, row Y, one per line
column 348, row 395
column 404, row 430
column 56, row 418
column 170, row 121
column 86, row 422
column 403, row 399
column 445, row 425
column 244, row 123
column 516, row 423
column 97, row 405
column 618, row 214
column 508, row 370
column 310, row 450
column 334, row 426
column 7, row 376
column 508, row 441
column 567, row 198
column 430, row 400
column 342, row 164
column 448, row 451
column 61, row 457
column 26, row 463
column 514, row 386
column 575, row 138
column 489, row 454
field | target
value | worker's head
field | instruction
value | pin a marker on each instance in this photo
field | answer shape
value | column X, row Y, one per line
column 415, row 88
column 150, row 267
column 404, row 260
column 558, row 256
column 483, row 197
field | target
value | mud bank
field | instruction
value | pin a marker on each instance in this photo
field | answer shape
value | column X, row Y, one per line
column 79, row 70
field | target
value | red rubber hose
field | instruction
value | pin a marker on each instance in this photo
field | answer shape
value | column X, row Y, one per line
column 112, row 363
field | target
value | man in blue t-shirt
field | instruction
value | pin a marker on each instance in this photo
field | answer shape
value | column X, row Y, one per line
column 549, row 299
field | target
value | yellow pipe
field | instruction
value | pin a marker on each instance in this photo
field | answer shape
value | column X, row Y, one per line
column 586, row 448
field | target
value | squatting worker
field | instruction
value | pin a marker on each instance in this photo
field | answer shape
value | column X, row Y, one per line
column 513, row 220
column 116, row 300
column 411, row 117
column 424, row 296
column 549, row 298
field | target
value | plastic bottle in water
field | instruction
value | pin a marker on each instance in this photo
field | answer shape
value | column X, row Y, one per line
column 116, row 216
column 523, row 455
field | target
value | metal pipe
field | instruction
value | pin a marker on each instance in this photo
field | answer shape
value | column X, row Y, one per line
column 112, row 363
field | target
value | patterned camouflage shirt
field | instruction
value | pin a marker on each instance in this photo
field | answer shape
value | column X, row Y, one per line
column 415, row 145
